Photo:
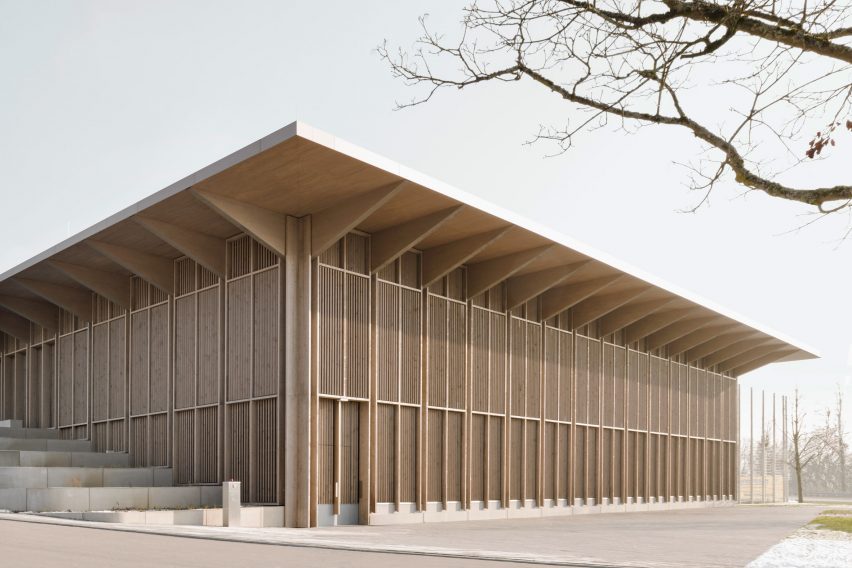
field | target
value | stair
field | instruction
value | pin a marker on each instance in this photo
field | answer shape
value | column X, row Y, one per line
column 39, row 472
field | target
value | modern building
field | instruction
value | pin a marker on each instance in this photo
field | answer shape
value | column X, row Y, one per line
column 360, row 343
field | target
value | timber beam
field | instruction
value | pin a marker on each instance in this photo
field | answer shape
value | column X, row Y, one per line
column 761, row 361
column 559, row 299
column 677, row 330
column 206, row 250
column 74, row 300
column 333, row 223
column 40, row 313
column 14, row 325
column 158, row 270
column 717, row 344
column 598, row 306
column 697, row 337
column 114, row 287
column 625, row 315
column 264, row 225
column 523, row 288
column 647, row 325
column 733, row 350
column 439, row 261
column 750, row 356
column 482, row 276
column 389, row 244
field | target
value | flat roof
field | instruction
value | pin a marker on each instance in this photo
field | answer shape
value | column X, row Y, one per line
column 300, row 170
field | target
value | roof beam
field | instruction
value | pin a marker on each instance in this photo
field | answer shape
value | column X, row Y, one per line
column 523, row 288
column 751, row 355
column 158, row 270
column 647, row 325
column 482, row 276
column 598, row 306
column 719, row 342
column 14, row 325
column 761, row 361
column 74, row 300
column 733, row 348
column 697, row 337
column 114, row 287
column 675, row 330
column 41, row 313
column 441, row 260
column 206, row 250
column 262, row 224
column 557, row 300
column 389, row 244
column 333, row 223
column 626, row 315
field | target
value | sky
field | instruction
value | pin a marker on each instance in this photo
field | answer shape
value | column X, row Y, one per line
column 105, row 102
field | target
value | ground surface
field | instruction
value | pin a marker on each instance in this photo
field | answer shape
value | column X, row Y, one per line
column 721, row 537
column 825, row 543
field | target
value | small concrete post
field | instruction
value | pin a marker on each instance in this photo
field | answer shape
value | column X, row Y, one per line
column 230, row 503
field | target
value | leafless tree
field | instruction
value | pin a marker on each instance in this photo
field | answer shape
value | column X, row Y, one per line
column 780, row 70
column 806, row 446
column 840, row 441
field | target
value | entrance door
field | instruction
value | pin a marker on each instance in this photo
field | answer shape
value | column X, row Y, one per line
column 339, row 463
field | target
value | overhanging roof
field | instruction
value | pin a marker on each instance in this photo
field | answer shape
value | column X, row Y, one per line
column 299, row 170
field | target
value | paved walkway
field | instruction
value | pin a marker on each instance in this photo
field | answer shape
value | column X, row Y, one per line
column 721, row 537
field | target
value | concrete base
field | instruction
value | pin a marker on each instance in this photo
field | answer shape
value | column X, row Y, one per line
column 85, row 499
column 250, row 517
column 386, row 513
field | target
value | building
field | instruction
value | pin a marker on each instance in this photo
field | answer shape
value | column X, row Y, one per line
column 363, row 344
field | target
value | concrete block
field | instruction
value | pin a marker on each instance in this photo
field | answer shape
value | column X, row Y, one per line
column 10, row 458
column 194, row 517
column 96, row 459
column 45, row 459
column 23, row 477
column 231, row 513
column 11, row 424
column 68, row 445
column 13, row 500
column 163, row 477
column 58, row 499
column 110, row 498
column 75, row 477
column 173, row 497
column 212, row 517
column 211, row 496
column 127, row 477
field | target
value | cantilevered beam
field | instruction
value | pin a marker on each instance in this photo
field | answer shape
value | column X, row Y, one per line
column 482, row 276
column 523, row 288
column 158, row 270
column 598, row 306
column 677, row 329
column 719, row 342
column 626, row 315
column 698, row 337
column 206, row 250
column 389, row 244
column 760, row 362
column 333, row 223
column 734, row 349
column 750, row 356
column 559, row 299
column 441, row 260
column 264, row 225
column 14, row 325
column 41, row 313
column 114, row 287
column 654, row 322
column 74, row 300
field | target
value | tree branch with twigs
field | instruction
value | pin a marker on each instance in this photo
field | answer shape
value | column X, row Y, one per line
column 636, row 62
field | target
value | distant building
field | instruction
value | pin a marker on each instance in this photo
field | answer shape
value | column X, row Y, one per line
column 363, row 344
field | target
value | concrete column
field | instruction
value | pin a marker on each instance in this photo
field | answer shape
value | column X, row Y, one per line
column 297, row 373
column 231, row 504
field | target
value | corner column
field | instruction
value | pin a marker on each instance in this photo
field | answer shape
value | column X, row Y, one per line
column 297, row 373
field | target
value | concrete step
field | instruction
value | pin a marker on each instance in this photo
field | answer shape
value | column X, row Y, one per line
column 250, row 517
column 37, row 433
column 38, row 458
column 84, row 499
column 11, row 424
column 44, row 477
column 45, row 445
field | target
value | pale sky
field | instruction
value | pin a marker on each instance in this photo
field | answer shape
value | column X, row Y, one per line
column 105, row 102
